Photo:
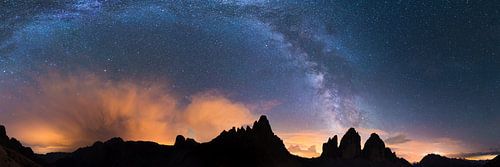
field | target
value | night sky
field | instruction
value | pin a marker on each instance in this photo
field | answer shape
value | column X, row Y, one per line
column 424, row 75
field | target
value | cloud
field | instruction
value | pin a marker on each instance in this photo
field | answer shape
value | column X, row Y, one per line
column 63, row 112
column 398, row 139
column 415, row 149
column 476, row 155
column 210, row 114
column 295, row 141
column 309, row 152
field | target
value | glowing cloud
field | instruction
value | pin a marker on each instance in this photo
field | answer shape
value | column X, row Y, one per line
column 309, row 152
column 61, row 112
column 210, row 114
column 305, row 144
column 415, row 150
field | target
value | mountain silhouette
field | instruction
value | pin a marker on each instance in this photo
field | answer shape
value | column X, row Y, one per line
column 330, row 148
column 375, row 149
column 255, row 146
column 350, row 145
column 349, row 153
column 13, row 153
column 434, row 160
column 495, row 162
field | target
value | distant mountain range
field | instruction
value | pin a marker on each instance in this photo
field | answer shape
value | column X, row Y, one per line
column 433, row 160
column 255, row 146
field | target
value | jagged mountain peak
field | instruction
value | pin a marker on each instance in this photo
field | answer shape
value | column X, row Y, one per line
column 2, row 129
column 262, row 125
column 351, row 131
column 330, row 148
column 3, row 134
column 374, row 148
column 374, row 140
column 181, row 141
column 374, row 136
column 350, row 144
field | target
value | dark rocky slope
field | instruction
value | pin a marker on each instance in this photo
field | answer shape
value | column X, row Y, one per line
column 433, row 160
column 13, row 153
column 495, row 162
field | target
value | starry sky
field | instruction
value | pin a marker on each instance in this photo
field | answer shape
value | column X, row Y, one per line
column 424, row 75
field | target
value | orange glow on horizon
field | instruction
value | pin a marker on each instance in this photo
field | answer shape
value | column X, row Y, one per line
column 304, row 144
column 66, row 112
column 481, row 157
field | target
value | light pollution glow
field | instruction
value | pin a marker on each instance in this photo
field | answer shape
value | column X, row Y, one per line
column 66, row 112
column 69, row 111
column 482, row 157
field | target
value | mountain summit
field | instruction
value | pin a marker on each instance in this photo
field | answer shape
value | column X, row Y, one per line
column 350, row 146
column 374, row 148
column 349, row 152
column 262, row 126
column 330, row 148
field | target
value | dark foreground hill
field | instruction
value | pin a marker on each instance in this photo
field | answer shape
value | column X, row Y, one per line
column 13, row 154
column 433, row 160
column 255, row 146
column 495, row 162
